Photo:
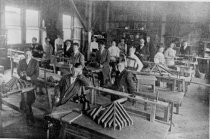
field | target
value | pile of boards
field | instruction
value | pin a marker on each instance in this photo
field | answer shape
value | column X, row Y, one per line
column 114, row 115
column 15, row 84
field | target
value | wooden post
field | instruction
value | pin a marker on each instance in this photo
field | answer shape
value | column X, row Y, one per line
column 163, row 28
column 1, row 124
column 107, row 16
column 152, row 113
column 89, row 27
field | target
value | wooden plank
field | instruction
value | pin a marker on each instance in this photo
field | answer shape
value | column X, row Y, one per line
column 122, row 94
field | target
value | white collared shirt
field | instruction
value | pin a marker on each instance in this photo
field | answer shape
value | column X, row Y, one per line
column 138, row 64
column 114, row 51
column 93, row 45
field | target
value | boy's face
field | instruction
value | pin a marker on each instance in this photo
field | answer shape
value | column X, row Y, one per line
column 28, row 54
column 161, row 49
column 76, row 48
column 34, row 40
column 68, row 43
column 121, row 66
column 142, row 41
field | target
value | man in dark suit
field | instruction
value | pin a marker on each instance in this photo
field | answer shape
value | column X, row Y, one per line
column 103, row 59
column 68, row 48
column 28, row 70
column 142, row 51
column 124, row 80
column 185, row 49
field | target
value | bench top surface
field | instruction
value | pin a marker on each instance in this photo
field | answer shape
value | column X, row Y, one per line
column 141, row 129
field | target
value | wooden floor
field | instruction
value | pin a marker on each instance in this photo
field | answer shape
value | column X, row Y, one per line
column 191, row 123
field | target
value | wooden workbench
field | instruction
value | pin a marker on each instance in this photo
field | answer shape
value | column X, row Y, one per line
column 85, row 127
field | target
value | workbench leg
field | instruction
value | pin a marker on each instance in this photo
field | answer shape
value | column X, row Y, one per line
column 167, row 113
column 92, row 96
column 177, row 108
column 171, row 118
column 145, row 106
column 152, row 113
column 1, row 120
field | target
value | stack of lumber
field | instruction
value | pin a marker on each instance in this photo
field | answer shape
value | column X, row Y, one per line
column 114, row 115
column 14, row 85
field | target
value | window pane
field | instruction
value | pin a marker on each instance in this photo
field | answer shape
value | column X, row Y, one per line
column 30, row 33
column 66, row 34
column 66, row 21
column 12, row 16
column 14, row 35
column 77, row 33
column 77, row 23
column 32, row 18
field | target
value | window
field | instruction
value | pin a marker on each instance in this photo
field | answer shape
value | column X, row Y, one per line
column 32, row 25
column 13, row 24
column 66, row 27
column 77, row 29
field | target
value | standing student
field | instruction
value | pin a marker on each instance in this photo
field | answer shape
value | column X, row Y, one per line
column 37, row 49
column 28, row 70
column 137, row 64
column 68, row 48
column 152, row 48
column 123, row 46
column 48, row 51
column 142, row 51
column 77, row 57
column 103, row 59
column 58, row 44
column 93, row 45
column 185, row 49
column 170, row 54
column 114, row 52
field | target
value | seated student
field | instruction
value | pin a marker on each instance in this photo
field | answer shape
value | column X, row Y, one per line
column 170, row 54
column 70, row 85
column 185, row 49
column 159, row 57
column 114, row 52
column 28, row 70
column 37, row 50
column 77, row 57
column 103, row 59
column 135, row 63
column 124, row 80
column 123, row 46
column 68, row 48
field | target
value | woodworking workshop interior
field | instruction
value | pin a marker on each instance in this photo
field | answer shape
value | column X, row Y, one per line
column 104, row 69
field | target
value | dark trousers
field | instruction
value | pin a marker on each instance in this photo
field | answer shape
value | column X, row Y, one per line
column 26, row 102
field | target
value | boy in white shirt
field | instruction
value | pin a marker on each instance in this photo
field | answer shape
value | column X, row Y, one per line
column 130, row 63
column 114, row 51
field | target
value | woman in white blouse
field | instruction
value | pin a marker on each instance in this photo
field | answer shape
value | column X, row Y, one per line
column 159, row 56
column 170, row 54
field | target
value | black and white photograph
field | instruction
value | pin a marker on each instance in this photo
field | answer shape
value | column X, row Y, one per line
column 104, row 69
